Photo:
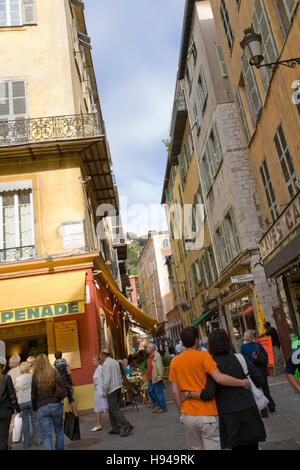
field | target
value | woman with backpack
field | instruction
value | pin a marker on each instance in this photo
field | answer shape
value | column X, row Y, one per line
column 47, row 393
column 8, row 402
column 258, row 356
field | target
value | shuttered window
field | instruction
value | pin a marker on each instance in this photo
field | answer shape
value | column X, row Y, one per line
column 183, row 167
column 202, row 89
column 226, row 24
column 242, row 116
column 221, row 61
column 269, row 190
column 13, row 102
column 252, row 93
column 285, row 10
column 17, row 12
column 196, row 116
column 262, row 26
column 286, row 161
column 215, row 146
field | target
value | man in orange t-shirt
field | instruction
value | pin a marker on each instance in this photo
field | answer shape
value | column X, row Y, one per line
column 188, row 372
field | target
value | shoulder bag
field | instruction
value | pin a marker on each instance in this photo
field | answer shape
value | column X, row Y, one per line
column 259, row 358
column 260, row 399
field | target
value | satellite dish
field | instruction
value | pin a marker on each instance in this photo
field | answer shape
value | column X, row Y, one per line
column 2, row 349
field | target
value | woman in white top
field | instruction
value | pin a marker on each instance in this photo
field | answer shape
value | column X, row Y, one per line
column 101, row 404
column 23, row 389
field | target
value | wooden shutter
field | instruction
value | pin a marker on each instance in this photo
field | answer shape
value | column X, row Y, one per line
column 4, row 101
column 168, row 196
column 221, row 61
column 203, row 86
column 219, row 153
column 235, row 227
column 182, row 167
column 210, row 161
column 19, row 106
column 286, row 162
column 195, row 275
column 261, row 25
column 242, row 116
column 252, row 93
column 29, row 12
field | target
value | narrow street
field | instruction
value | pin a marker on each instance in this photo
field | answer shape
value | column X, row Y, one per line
column 164, row 431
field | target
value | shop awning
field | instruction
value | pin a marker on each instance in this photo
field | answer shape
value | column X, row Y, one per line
column 41, row 297
column 140, row 317
column 196, row 322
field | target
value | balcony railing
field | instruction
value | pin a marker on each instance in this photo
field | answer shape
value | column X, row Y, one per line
column 54, row 128
column 22, row 253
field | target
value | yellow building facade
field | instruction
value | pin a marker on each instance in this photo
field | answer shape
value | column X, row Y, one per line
column 268, row 102
column 57, row 194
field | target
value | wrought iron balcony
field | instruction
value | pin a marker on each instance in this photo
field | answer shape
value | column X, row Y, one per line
column 54, row 128
column 22, row 253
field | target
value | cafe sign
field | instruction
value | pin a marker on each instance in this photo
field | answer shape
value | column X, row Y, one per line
column 285, row 227
column 41, row 313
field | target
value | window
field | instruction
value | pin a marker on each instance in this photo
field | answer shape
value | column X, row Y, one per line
column 196, row 273
column 221, row 61
column 269, row 190
column 183, row 167
column 262, row 26
column 202, row 89
column 212, row 157
column 13, row 102
column 226, row 24
column 252, row 93
column 17, row 12
column 16, row 221
column 228, row 240
column 286, row 162
column 196, row 116
column 285, row 10
column 242, row 116
column 165, row 243
column 193, row 50
column 189, row 76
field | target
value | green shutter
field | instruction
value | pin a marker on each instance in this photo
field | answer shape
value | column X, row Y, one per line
column 235, row 229
column 221, row 61
column 29, row 13
column 252, row 93
column 243, row 116
column 219, row 155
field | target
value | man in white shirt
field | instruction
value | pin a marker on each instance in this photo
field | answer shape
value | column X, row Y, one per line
column 112, row 385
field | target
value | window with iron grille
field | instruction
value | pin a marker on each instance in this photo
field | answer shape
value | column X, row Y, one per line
column 286, row 161
column 269, row 190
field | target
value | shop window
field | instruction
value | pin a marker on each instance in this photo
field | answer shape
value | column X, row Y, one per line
column 16, row 222
column 242, row 318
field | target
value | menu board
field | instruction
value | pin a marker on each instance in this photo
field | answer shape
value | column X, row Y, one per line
column 66, row 341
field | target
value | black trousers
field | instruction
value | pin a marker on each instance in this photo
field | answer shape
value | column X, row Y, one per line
column 116, row 417
column 5, row 419
column 266, row 391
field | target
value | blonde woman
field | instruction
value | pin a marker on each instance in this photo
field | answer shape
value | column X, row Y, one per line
column 23, row 389
column 47, row 393
column 8, row 402
column 100, row 404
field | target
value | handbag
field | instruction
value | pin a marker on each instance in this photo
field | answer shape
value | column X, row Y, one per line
column 259, row 357
column 17, row 430
column 260, row 399
column 60, row 389
column 71, row 427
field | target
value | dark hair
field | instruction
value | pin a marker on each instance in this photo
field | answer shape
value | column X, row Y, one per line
column 189, row 336
column 267, row 324
column 58, row 355
column 219, row 342
column 105, row 354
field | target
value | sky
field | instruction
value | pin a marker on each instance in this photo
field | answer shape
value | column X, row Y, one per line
column 135, row 50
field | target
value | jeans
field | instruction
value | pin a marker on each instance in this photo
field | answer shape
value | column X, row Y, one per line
column 156, row 394
column 28, row 413
column 48, row 415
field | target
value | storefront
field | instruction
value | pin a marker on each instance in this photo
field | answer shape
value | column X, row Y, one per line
column 280, row 253
column 74, row 311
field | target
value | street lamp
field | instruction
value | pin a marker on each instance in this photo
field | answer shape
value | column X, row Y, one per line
column 251, row 44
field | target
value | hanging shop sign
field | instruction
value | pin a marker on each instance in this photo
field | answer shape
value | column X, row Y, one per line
column 242, row 279
column 283, row 231
column 40, row 313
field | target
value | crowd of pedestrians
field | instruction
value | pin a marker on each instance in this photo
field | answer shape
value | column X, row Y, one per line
column 213, row 387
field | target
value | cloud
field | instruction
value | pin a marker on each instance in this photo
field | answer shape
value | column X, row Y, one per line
column 135, row 54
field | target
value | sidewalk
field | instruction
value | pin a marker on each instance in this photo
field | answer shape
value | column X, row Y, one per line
column 164, row 431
